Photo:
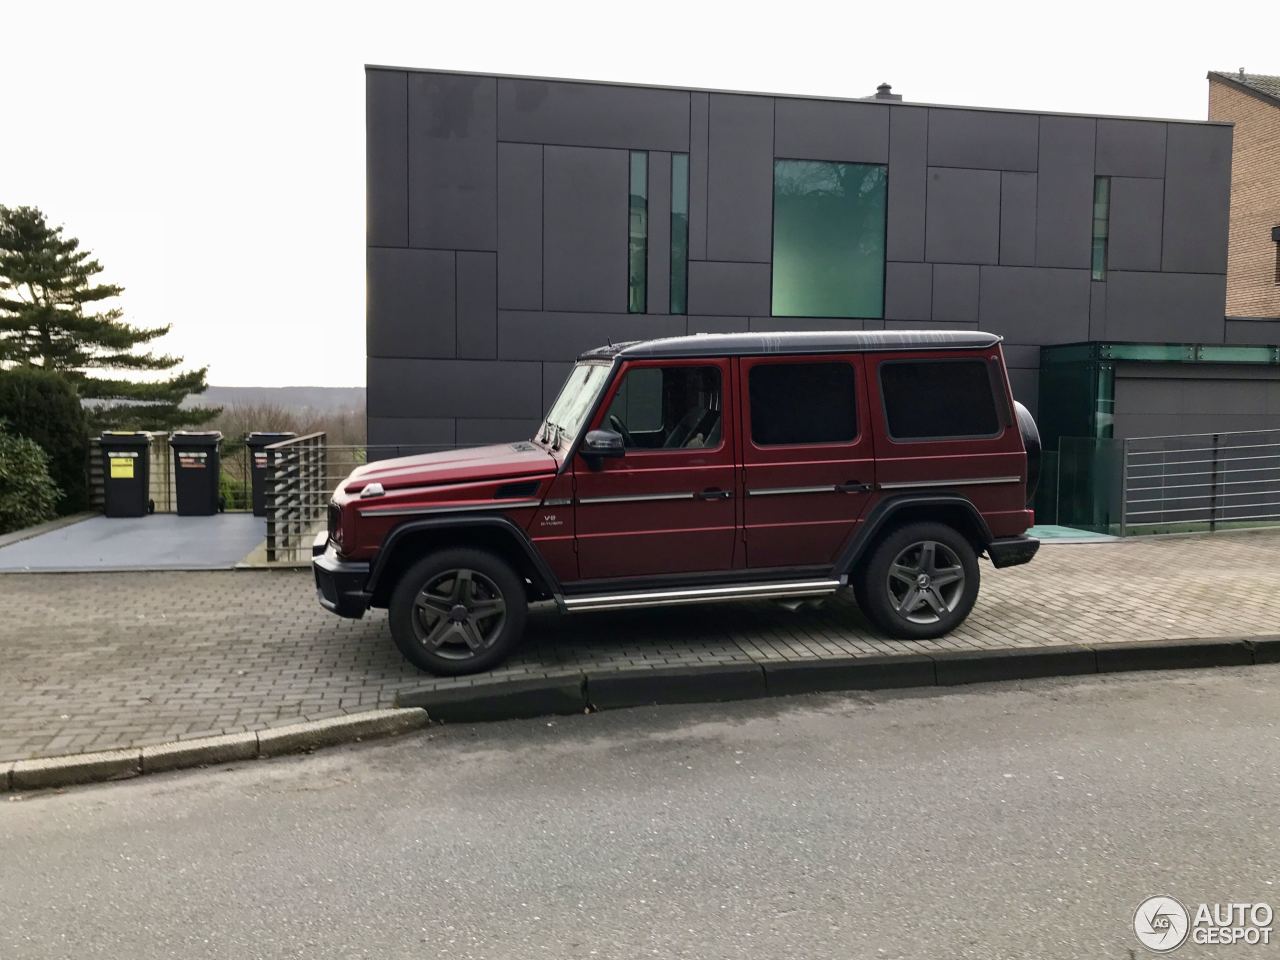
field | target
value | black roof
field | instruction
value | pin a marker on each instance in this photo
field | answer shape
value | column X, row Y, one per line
column 756, row 344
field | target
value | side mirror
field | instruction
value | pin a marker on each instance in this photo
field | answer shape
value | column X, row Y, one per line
column 598, row 444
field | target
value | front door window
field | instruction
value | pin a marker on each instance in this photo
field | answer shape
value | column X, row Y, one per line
column 667, row 408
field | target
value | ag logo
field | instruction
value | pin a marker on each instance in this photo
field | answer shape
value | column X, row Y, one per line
column 1161, row 924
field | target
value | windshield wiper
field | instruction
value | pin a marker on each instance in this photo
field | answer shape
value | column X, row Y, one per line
column 548, row 431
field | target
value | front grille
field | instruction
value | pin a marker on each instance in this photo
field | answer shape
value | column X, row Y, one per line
column 335, row 519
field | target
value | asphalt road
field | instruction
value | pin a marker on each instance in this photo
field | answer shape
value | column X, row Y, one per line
column 1021, row 820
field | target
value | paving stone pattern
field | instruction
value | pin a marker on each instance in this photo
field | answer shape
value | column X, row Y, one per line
column 94, row 661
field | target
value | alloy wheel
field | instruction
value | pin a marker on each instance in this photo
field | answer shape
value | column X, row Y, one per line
column 459, row 614
column 926, row 582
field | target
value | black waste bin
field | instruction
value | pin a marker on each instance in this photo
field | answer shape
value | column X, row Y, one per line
column 126, row 473
column 258, row 465
column 196, row 471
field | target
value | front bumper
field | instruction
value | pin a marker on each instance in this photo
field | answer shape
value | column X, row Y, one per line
column 340, row 585
column 1011, row 551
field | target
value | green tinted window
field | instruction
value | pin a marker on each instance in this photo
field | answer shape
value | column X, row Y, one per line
column 1101, row 225
column 679, row 232
column 638, row 233
column 828, row 239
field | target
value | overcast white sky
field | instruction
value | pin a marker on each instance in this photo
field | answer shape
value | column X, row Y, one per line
column 212, row 155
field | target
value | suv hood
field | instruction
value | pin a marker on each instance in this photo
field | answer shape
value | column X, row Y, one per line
column 497, row 462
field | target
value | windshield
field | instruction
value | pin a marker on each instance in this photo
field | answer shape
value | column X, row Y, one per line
column 574, row 402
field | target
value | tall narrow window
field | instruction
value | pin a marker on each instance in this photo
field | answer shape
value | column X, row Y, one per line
column 828, row 239
column 679, row 232
column 638, row 233
column 1101, row 216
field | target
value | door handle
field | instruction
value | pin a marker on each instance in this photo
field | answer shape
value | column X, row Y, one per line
column 713, row 495
column 853, row 486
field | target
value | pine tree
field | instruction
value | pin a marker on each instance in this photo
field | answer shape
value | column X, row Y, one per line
column 53, row 315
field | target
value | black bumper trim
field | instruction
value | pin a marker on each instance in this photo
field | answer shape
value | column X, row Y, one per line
column 340, row 586
column 1011, row 551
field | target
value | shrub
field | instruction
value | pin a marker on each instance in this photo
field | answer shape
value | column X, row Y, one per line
column 45, row 407
column 27, row 494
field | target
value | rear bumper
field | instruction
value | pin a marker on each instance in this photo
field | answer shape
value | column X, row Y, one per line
column 340, row 585
column 1011, row 551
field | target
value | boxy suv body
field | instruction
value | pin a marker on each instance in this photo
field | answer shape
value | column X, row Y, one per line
column 699, row 468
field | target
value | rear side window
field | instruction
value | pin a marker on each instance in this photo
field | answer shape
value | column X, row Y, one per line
column 802, row 403
column 930, row 399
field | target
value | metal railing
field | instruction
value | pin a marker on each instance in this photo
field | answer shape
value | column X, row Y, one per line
column 302, row 474
column 1200, row 481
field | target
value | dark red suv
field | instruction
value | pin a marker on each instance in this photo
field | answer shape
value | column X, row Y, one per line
column 700, row 468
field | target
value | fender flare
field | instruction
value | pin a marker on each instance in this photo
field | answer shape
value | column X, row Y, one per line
column 883, row 513
column 544, row 578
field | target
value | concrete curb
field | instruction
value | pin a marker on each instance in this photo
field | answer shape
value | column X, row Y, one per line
column 578, row 692
column 122, row 764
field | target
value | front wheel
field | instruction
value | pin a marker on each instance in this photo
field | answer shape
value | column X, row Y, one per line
column 458, row 611
column 920, row 582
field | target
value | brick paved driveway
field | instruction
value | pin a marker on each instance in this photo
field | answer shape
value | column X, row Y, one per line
column 93, row 661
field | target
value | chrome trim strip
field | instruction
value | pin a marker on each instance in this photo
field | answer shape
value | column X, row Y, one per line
column 774, row 491
column 637, row 498
column 973, row 482
column 467, row 508
column 558, row 502
column 758, row 591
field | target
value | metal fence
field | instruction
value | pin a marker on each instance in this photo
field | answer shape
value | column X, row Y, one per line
column 1200, row 481
column 302, row 474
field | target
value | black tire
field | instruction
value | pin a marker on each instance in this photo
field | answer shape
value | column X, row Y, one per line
column 1031, row 442
column 435, row 617
column 884, row 585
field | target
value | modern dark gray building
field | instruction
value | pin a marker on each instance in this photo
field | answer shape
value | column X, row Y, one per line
column 513, row 222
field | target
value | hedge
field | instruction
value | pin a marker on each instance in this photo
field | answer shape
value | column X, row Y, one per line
column 45, row 407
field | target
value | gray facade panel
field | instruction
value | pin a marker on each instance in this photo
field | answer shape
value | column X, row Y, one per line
column 410, row 302
column 830, row 130
column 562, row 336
column 908, row 164
column 1035, row 305
column 454, row 388
column 1166, row 307
column 740, row 179
column 729, row 289
column 585, row 229
column 1025, row 384
column 593, row 115
column 964, row 216
column 1064, row 192
column 719, row 324
column 987, row 141
column 1020, row 357
column 453, row 166
column 1197, row 191
column 1158, row 401
column 908, row 291
column 404, row 436
column 481, row 431
column 1018, row 219
column 699, row 121
column 1137, row 207
column 955, row 293
column 1130, row 148
column 386, row 158
column 658, row 270
column 520, row 226
column 477, row 305
column 1253, row 331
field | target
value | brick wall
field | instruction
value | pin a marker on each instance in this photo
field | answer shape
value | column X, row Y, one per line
column 1252, row 290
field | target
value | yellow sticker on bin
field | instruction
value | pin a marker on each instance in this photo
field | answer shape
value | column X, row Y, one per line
column 121, row 468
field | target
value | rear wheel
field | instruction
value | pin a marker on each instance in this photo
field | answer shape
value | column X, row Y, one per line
column 921, row 581
column 458, row 611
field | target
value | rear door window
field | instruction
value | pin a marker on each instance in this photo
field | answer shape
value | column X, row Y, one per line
column 802, row 403
column 938, row 399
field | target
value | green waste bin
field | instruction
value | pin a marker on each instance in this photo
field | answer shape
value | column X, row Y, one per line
column 126, row 473
column 197, row 469
column 256, row 441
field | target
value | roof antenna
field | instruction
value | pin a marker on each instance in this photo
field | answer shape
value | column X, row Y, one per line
column 1242, row 71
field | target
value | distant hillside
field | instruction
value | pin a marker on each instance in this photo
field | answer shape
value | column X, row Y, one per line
column 319, row 399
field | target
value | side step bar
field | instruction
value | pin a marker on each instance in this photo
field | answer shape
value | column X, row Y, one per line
column 746, row 591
